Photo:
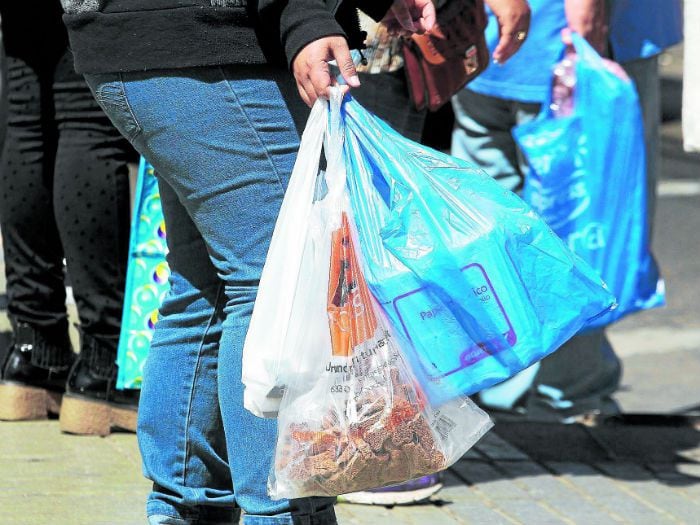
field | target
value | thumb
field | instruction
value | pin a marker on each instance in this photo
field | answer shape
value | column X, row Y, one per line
column 341, row 54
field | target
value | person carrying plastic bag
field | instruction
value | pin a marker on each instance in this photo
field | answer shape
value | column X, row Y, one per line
column 588, row 178
column 362, row 403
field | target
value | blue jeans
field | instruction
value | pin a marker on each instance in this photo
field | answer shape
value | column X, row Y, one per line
column 223, row 143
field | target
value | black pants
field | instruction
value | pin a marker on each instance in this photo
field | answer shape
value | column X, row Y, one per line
column 64, row 188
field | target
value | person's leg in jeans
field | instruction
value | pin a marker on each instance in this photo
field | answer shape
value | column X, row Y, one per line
column 223, row 143
column 579, row 376
column 91, row 206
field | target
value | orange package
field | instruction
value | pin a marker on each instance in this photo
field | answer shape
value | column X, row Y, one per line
column 350, row 313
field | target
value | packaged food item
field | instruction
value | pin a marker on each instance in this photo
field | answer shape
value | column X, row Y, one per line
column 362, row 421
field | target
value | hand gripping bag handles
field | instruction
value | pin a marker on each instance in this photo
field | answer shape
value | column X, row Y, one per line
column 587, row 180
column 471, row 278
column 353, row 417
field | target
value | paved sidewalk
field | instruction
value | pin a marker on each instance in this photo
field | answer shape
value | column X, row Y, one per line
column 637, row 471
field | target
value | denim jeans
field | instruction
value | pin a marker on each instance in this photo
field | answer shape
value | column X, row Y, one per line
column 223, row 143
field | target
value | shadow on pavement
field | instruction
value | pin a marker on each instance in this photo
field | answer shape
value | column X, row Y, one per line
column 630, row 447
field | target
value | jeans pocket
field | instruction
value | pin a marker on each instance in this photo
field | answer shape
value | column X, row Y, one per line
column 110, row 94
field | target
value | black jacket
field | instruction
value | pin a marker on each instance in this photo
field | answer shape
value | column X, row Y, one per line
column 130, row 35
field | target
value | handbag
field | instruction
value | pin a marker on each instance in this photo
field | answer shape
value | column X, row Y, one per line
column 440, row 63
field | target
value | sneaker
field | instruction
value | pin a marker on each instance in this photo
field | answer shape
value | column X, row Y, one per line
column 412, row 491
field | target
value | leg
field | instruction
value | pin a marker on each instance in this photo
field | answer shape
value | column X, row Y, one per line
column 585, row 371
column 482, row 134
column 645, row 73
column 33, row 251
column 35, row 369
column 225, row 142
column 576, row 379
column 91, row 203
column 183, row 449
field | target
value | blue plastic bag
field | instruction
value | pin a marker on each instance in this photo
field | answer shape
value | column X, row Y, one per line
column 588, row 182
column 466, row 272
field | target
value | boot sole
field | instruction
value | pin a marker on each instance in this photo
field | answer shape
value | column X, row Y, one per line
column 19, row 402
column 87, row 417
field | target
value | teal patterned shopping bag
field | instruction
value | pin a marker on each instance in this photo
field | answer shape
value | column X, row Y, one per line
column 146, row 279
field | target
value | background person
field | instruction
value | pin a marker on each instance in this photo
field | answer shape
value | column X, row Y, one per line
column 580, row 377
column 63, row 193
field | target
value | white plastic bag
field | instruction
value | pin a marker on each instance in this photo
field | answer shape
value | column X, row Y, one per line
column 264, row 364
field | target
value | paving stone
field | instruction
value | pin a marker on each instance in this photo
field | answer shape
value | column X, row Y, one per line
column 494, row 447
column 657, row 443
column 363, row 514
column 558, row 494
column 639, row 482
column 469, row 505
column 503, row 494
column 473, row 453
column 552, row 441
column 607, row 494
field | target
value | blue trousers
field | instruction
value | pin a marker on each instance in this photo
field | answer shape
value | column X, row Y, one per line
column 223, row 143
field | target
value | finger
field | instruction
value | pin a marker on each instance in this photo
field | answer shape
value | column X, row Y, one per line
column 341, row 54
column 303, row 95
column 320, row 79
column 403, row 15
column 505, row 48
column 511, row 39
column 309, row 93
column 428, row 17
column 566, row 36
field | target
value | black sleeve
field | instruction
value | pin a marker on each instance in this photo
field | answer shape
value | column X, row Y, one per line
column 303, row 21
column 375, row 8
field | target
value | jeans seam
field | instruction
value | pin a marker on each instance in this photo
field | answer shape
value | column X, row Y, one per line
column 127, row 105
column 250, row 123
column 219, row 295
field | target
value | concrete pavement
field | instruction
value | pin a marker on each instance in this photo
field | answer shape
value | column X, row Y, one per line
column 643, row 472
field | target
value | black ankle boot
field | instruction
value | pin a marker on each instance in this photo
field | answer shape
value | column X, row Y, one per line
column 92, row 404
column 34, row 373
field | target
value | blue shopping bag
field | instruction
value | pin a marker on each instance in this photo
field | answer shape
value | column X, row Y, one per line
column 587, row 180
column 474, row 282
column 146, row 279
